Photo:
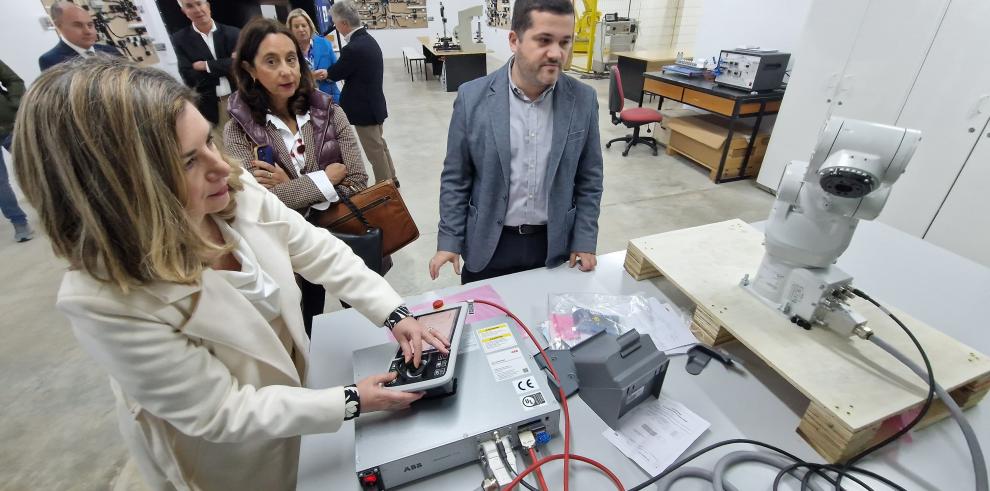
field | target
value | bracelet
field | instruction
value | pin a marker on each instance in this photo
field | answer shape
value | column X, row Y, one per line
column 352, row 402
column 401, row 312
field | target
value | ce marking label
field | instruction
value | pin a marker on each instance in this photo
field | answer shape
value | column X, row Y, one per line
column 525, row 385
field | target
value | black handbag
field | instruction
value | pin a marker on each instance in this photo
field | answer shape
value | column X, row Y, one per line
column 369, row 245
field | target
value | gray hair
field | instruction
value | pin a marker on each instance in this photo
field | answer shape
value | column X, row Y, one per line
column 344, row 10
column 58, row 8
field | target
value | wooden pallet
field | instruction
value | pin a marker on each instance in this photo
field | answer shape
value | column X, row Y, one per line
column 853, row 387
column 732, row 167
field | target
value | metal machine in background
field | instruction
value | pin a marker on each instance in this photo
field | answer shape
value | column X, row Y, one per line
column 818, row 206
column 498, row 391
column 473, row 40
column 584, row 37
column 614, row 34
column 445, row 43
column 754, row 70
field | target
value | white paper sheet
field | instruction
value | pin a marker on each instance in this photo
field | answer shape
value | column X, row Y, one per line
column 656, row 433
column 669, row 330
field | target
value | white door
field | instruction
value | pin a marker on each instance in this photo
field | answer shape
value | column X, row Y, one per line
column 889, row 52
column 962, row 225
column 950, row 104
column 828, row 37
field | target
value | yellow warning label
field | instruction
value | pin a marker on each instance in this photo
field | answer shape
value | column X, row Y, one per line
column 496, row 337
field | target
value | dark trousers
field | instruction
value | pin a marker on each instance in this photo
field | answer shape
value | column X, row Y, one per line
column 514, row 253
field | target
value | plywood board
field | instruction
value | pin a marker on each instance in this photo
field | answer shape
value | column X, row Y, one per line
column 850, row 381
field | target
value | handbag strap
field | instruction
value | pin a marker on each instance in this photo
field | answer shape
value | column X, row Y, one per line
column 357, row 212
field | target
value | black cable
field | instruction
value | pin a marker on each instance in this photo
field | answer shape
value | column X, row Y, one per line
column 928, row 400
column 813, row 469
column 874, row 475
column 501, row 455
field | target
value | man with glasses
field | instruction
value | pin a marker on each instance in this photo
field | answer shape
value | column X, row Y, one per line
column 78, row 36
column 204, row 52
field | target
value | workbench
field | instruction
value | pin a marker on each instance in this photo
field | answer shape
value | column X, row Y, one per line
column 940, row 288
column 455, row 67
column 632, row 65
column 729, row 103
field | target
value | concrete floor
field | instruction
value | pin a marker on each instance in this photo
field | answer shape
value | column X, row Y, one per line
column 58, row 428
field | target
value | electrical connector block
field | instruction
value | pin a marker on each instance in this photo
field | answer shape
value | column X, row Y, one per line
column 527, row 439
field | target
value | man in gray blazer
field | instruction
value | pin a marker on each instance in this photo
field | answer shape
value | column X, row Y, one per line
column 522, row 182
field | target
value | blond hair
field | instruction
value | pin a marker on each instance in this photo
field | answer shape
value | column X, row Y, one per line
column 97, row 154
column 301, row 13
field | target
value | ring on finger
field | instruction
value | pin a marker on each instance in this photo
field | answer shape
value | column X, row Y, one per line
column 270, row 174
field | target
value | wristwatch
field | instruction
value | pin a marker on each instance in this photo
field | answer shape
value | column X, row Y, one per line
column 401, row 312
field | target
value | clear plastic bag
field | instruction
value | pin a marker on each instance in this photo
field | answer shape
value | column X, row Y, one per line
column 575, row 317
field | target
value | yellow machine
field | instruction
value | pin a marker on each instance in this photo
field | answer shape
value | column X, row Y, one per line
column 584, row 36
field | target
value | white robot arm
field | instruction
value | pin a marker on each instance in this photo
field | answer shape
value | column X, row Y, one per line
column 818, row 206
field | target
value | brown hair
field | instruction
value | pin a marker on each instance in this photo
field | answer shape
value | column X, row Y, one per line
column 97, row 154
column 253, row 94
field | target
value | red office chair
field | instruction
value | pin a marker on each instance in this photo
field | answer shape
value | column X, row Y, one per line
column 632, row 118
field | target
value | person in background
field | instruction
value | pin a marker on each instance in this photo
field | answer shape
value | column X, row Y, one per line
column 319, row 51
column 204, row 52
column 363, row 71
column 521, row 186
column 180, row 282
column 315, row 154
column 78, row 35
column 11, row 90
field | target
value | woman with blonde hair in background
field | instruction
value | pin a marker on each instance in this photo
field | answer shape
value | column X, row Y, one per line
column 180, row 281
column 319, row 52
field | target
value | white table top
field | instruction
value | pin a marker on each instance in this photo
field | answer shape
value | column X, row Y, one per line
column 940, row 288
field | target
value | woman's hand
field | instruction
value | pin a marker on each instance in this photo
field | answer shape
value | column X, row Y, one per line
column 410, row 334
column 336, row 173
column 320, row 75
column 268, row 175
column 375, row 397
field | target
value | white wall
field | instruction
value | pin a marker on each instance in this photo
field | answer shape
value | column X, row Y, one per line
column 24, row 40
column 770, row 24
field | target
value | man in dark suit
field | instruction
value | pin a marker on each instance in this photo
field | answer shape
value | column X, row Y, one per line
column 78, row 33
column 521, row 185
column 362, row 69
column 204, row 52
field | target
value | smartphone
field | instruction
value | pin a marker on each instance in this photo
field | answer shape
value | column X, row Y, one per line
column 265, row 153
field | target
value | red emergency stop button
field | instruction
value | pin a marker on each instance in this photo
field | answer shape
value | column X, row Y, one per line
column 369, row 480
column 437, row 304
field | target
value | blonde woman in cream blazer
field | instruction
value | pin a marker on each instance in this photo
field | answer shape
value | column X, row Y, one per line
column 181, row 282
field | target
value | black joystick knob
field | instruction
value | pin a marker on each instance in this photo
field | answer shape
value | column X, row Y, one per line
column 412, row 371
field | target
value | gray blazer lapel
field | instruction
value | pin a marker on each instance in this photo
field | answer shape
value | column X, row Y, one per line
column 563, row 111
column 498, row 105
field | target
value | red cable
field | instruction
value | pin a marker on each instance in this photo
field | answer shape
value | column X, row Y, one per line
column 539, row 474
column 536, row 465
column 563, row 405
column 563, row 396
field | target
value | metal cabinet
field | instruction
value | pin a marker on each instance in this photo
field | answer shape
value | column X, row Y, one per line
column 950, row 104
column 856, row 59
